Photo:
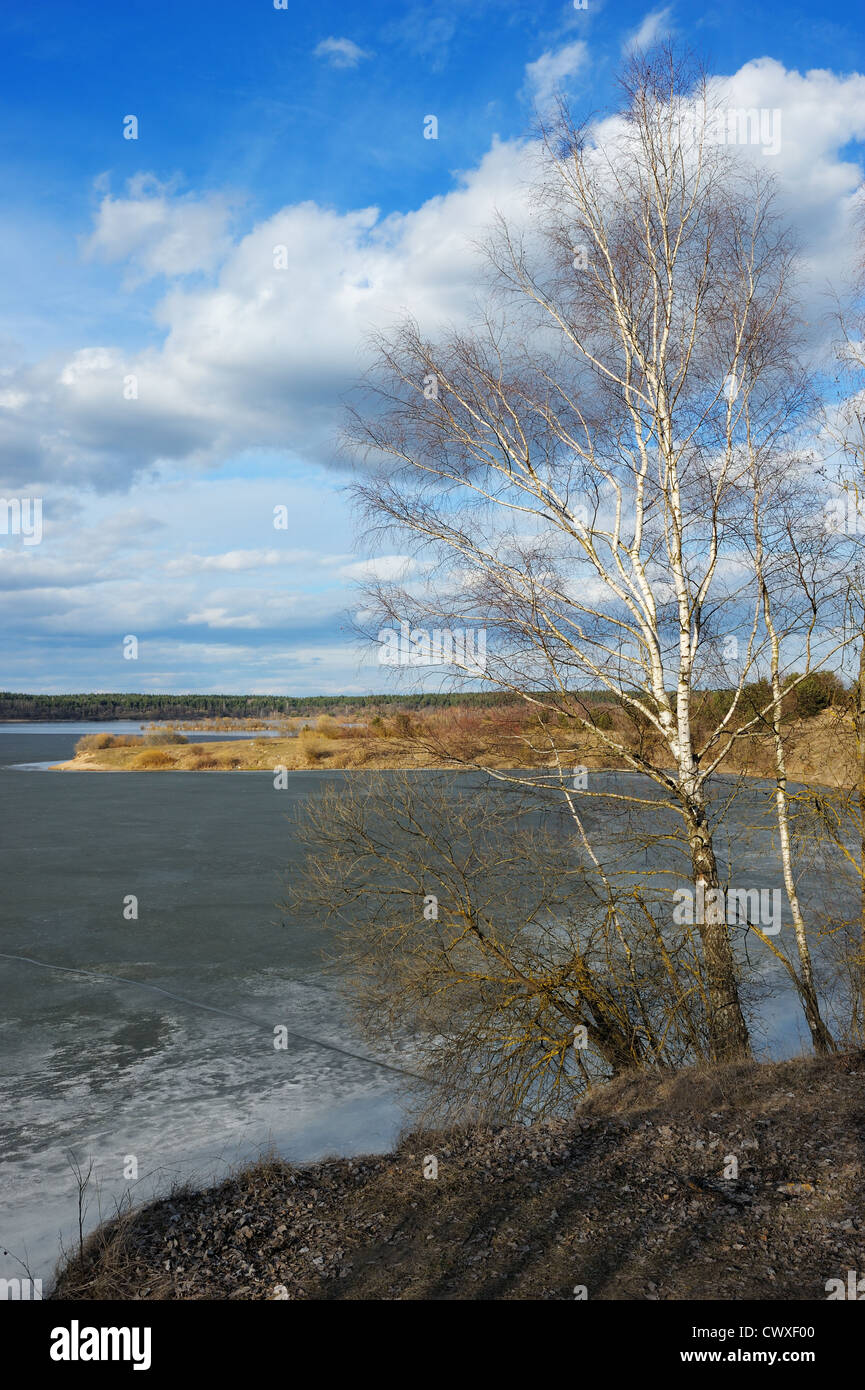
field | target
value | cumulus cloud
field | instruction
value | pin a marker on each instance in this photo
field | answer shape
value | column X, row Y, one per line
column 816, row 115
column 237, row 561
column 340, row 53
column 549, row 74
column 19, row 571
column 261, row 355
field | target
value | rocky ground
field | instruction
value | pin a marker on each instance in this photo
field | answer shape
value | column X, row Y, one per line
column 627, row 1199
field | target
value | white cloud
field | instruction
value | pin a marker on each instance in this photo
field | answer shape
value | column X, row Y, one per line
column 818, row 114
column 340, row 53
column 549, row 73
column 656, row 25
column 263, row 356
column 237, row 561
column 383, row 567
column 231, row 560
column 220, row 617
column 87, row 361
column 158, row 233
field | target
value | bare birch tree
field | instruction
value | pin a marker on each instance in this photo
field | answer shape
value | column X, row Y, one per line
column 795, row 574
column 580, row 462
column 844, row 427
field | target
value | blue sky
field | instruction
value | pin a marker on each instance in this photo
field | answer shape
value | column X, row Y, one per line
column 152, row 260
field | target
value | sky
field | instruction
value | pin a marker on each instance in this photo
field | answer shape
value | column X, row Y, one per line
column 207, row 210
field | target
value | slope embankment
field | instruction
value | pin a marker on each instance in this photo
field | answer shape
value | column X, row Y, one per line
column 735, row 1182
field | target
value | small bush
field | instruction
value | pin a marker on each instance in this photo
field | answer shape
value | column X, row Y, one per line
column 756, row 696
column 817, row 692
column 312, row 746
column 327, row 726
column 162, row 737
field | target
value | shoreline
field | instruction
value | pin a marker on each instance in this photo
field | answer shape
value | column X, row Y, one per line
column 74, row 765
column 625, row 1197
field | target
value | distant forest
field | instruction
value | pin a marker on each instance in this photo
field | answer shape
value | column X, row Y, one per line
column 144, row 707
column 816, row 692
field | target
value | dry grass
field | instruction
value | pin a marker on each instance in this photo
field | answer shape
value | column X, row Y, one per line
column 704, row 1088
column 151, row 758
column 106, row 1268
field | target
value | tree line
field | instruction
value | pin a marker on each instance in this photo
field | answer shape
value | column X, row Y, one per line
column 102, row 705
